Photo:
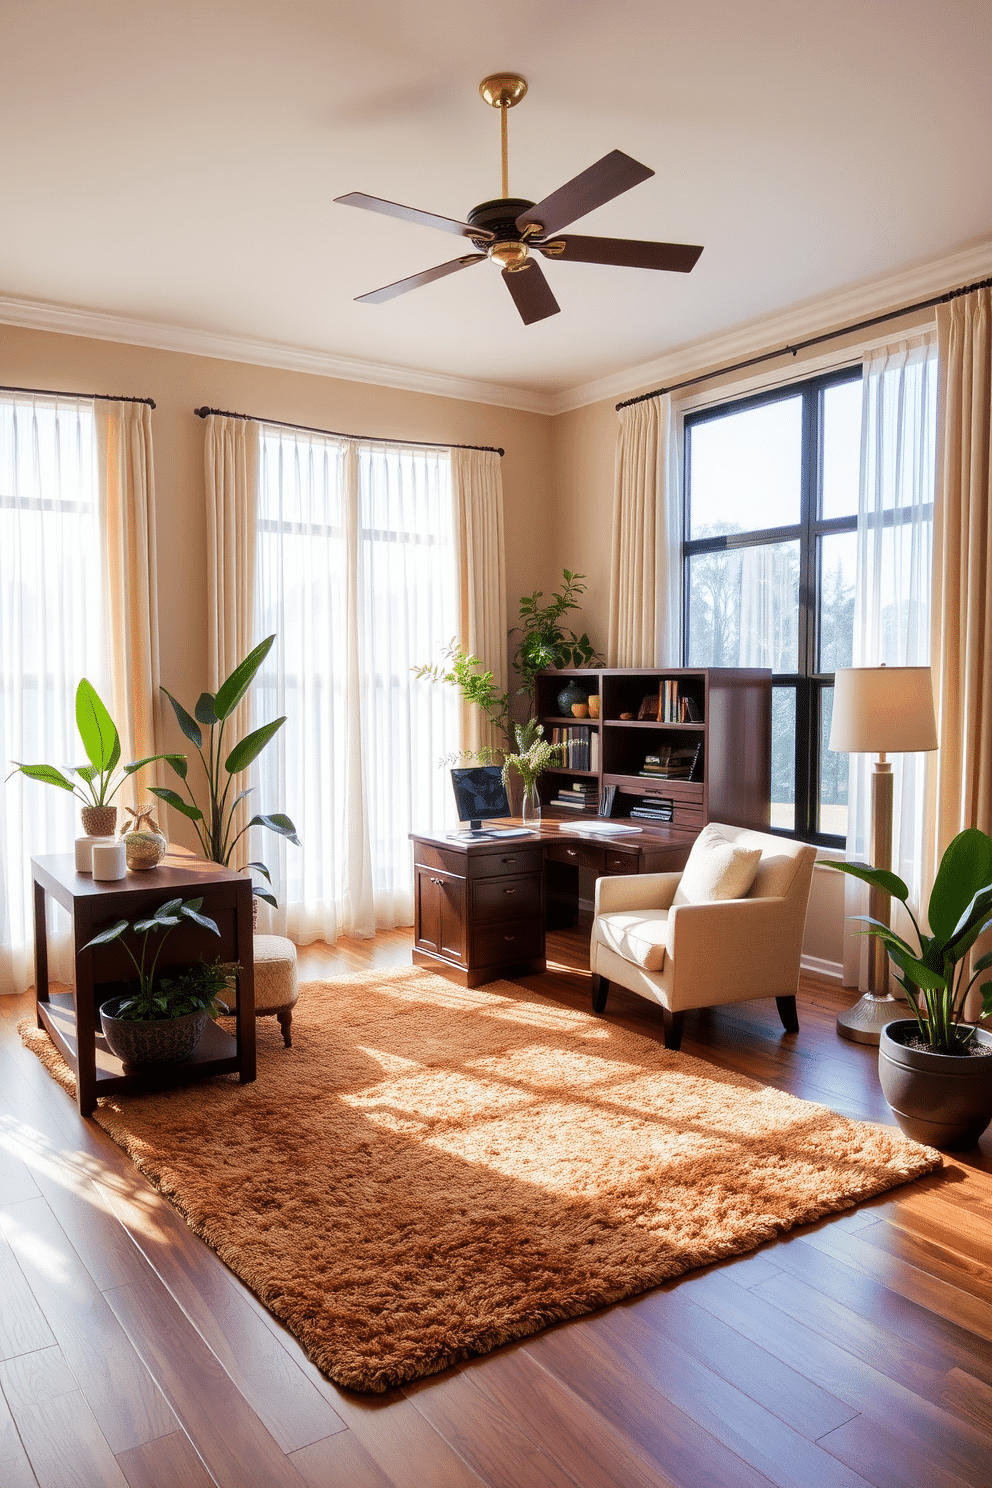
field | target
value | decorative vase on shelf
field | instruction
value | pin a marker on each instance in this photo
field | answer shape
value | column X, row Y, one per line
column 144, row 843
column 99, row 821
column 530, row 809
column 570, row 694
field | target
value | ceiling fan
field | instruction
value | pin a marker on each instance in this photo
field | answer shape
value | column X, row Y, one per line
column 509, row 229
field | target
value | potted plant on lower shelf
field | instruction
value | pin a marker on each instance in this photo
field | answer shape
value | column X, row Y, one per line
column 935, row 1069
column 162, row 1020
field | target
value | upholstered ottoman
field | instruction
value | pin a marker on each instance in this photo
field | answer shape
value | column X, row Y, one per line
column 275, row 981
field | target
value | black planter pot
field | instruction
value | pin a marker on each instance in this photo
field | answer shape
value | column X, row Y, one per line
column 944, row 1100
column 151, row 1040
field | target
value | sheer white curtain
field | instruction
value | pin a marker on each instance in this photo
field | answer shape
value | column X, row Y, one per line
column 52, row 633
column 892, row 588
column 356, row 572
column 477, row 492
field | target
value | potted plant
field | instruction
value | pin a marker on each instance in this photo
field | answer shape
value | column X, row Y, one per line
column 163, row 1020
column 936, row 1069
column 545, row 642
column 217, row 820
column 94, row 783
column 534, row 755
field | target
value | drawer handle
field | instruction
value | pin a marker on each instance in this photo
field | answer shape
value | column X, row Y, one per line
column 509, row 937
column 572, row 852
column 508, row 860
column 509, row 891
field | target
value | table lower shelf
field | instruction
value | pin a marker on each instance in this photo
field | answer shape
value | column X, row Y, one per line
column 215, row 1054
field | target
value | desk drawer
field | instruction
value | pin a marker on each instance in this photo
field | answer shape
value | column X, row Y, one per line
column 579, row 854
column 517, row 940
column 509, row 860
column 622, row 862
column 506, row 898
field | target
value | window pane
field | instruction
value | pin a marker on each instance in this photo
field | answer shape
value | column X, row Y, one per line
column 838, row 563
column 744, row 607
column 784, row 758
column 841, row 449
column 832, row 806
column 744, row 470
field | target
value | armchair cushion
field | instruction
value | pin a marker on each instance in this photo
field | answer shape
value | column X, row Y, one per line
column 640, row 937
column 717, row 869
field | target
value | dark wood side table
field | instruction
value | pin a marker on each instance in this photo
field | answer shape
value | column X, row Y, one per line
column 72, row 1020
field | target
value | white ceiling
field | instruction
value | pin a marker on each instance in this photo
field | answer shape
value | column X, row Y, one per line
column 176, row 163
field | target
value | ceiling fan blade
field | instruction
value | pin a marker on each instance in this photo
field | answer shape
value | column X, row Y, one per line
column 531, row 292
column 631, row 253
column 412, row 214
column 403, row 286
column 609, row 177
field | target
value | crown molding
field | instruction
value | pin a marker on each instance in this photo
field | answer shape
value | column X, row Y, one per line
column 68, row 320
column 813, row 317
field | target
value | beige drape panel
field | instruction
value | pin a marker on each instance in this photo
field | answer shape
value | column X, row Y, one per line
column 961, row 793
column 477, row 492
column 231, row 478
column 644, row 625
column 127, row 496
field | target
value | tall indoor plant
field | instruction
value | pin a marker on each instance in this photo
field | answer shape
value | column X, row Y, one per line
column 219, row 820
column 936, row 1069
column 94, row 784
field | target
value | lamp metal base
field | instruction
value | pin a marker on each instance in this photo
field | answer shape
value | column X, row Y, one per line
column 863, row 1023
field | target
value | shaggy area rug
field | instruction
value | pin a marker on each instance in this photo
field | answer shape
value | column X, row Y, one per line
column 429, row 1171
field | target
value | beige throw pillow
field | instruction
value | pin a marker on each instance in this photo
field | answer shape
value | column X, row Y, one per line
column 716, row 869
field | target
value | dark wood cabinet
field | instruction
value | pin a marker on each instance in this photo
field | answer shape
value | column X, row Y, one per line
column 728, row 735
column 440, row 914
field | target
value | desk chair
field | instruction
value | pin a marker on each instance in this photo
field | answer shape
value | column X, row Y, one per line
column 729, row 928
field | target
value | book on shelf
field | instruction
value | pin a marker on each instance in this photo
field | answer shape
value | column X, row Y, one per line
column 579, row 744
column 574, row 804
column 672, row 764
column 674, row 706
column 607, row 800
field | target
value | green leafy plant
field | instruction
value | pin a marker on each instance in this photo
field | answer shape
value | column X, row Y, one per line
column 217, row 820
column 534, row 754
column 194, row 989
column 477, row 686
column 94, row 783
column 545, row 642
column 934, row 974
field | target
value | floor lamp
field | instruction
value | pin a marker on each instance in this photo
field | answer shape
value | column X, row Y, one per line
column 880, row 710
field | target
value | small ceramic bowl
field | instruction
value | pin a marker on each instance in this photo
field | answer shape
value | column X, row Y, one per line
column 580, row 710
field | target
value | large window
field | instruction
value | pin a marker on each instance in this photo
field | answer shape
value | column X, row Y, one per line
column 770, row 554
column 356, row 572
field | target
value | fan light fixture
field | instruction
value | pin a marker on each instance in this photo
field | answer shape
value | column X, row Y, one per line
column 509, row 230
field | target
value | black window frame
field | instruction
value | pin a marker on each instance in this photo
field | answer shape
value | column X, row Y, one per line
column 808, row 683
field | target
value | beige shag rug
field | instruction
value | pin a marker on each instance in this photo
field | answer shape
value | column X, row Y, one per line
column 429, row 1171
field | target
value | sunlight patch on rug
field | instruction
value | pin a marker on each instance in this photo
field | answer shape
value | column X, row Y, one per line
column 431, row 1171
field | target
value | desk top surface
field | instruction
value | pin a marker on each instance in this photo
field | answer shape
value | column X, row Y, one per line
column 553, row 829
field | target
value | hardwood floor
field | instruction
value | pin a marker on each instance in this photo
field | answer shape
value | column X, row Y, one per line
column 855, row 1351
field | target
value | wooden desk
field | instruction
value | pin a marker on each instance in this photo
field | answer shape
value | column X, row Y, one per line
column 481, row 906
column 72, row 1021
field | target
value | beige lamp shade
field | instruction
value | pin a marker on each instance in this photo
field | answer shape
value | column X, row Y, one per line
column 883, row 710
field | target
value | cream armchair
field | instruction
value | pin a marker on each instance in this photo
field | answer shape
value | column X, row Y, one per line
column 649, row 937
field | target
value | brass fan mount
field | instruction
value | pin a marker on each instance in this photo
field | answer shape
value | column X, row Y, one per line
column 503, row 89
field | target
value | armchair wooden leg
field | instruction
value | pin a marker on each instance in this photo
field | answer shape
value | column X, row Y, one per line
column 285, row 1016
column 787, row 1012
column 600, row 992
column 673, row 1028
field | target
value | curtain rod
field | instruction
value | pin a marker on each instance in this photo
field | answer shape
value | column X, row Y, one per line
column 336, row 434
column 54, row 393
column 770, row 356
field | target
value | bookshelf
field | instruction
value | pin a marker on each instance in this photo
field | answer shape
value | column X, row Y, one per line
column 707, row 757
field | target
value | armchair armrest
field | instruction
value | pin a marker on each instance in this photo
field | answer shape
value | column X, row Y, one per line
column 733, row 945
column 636, row 891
